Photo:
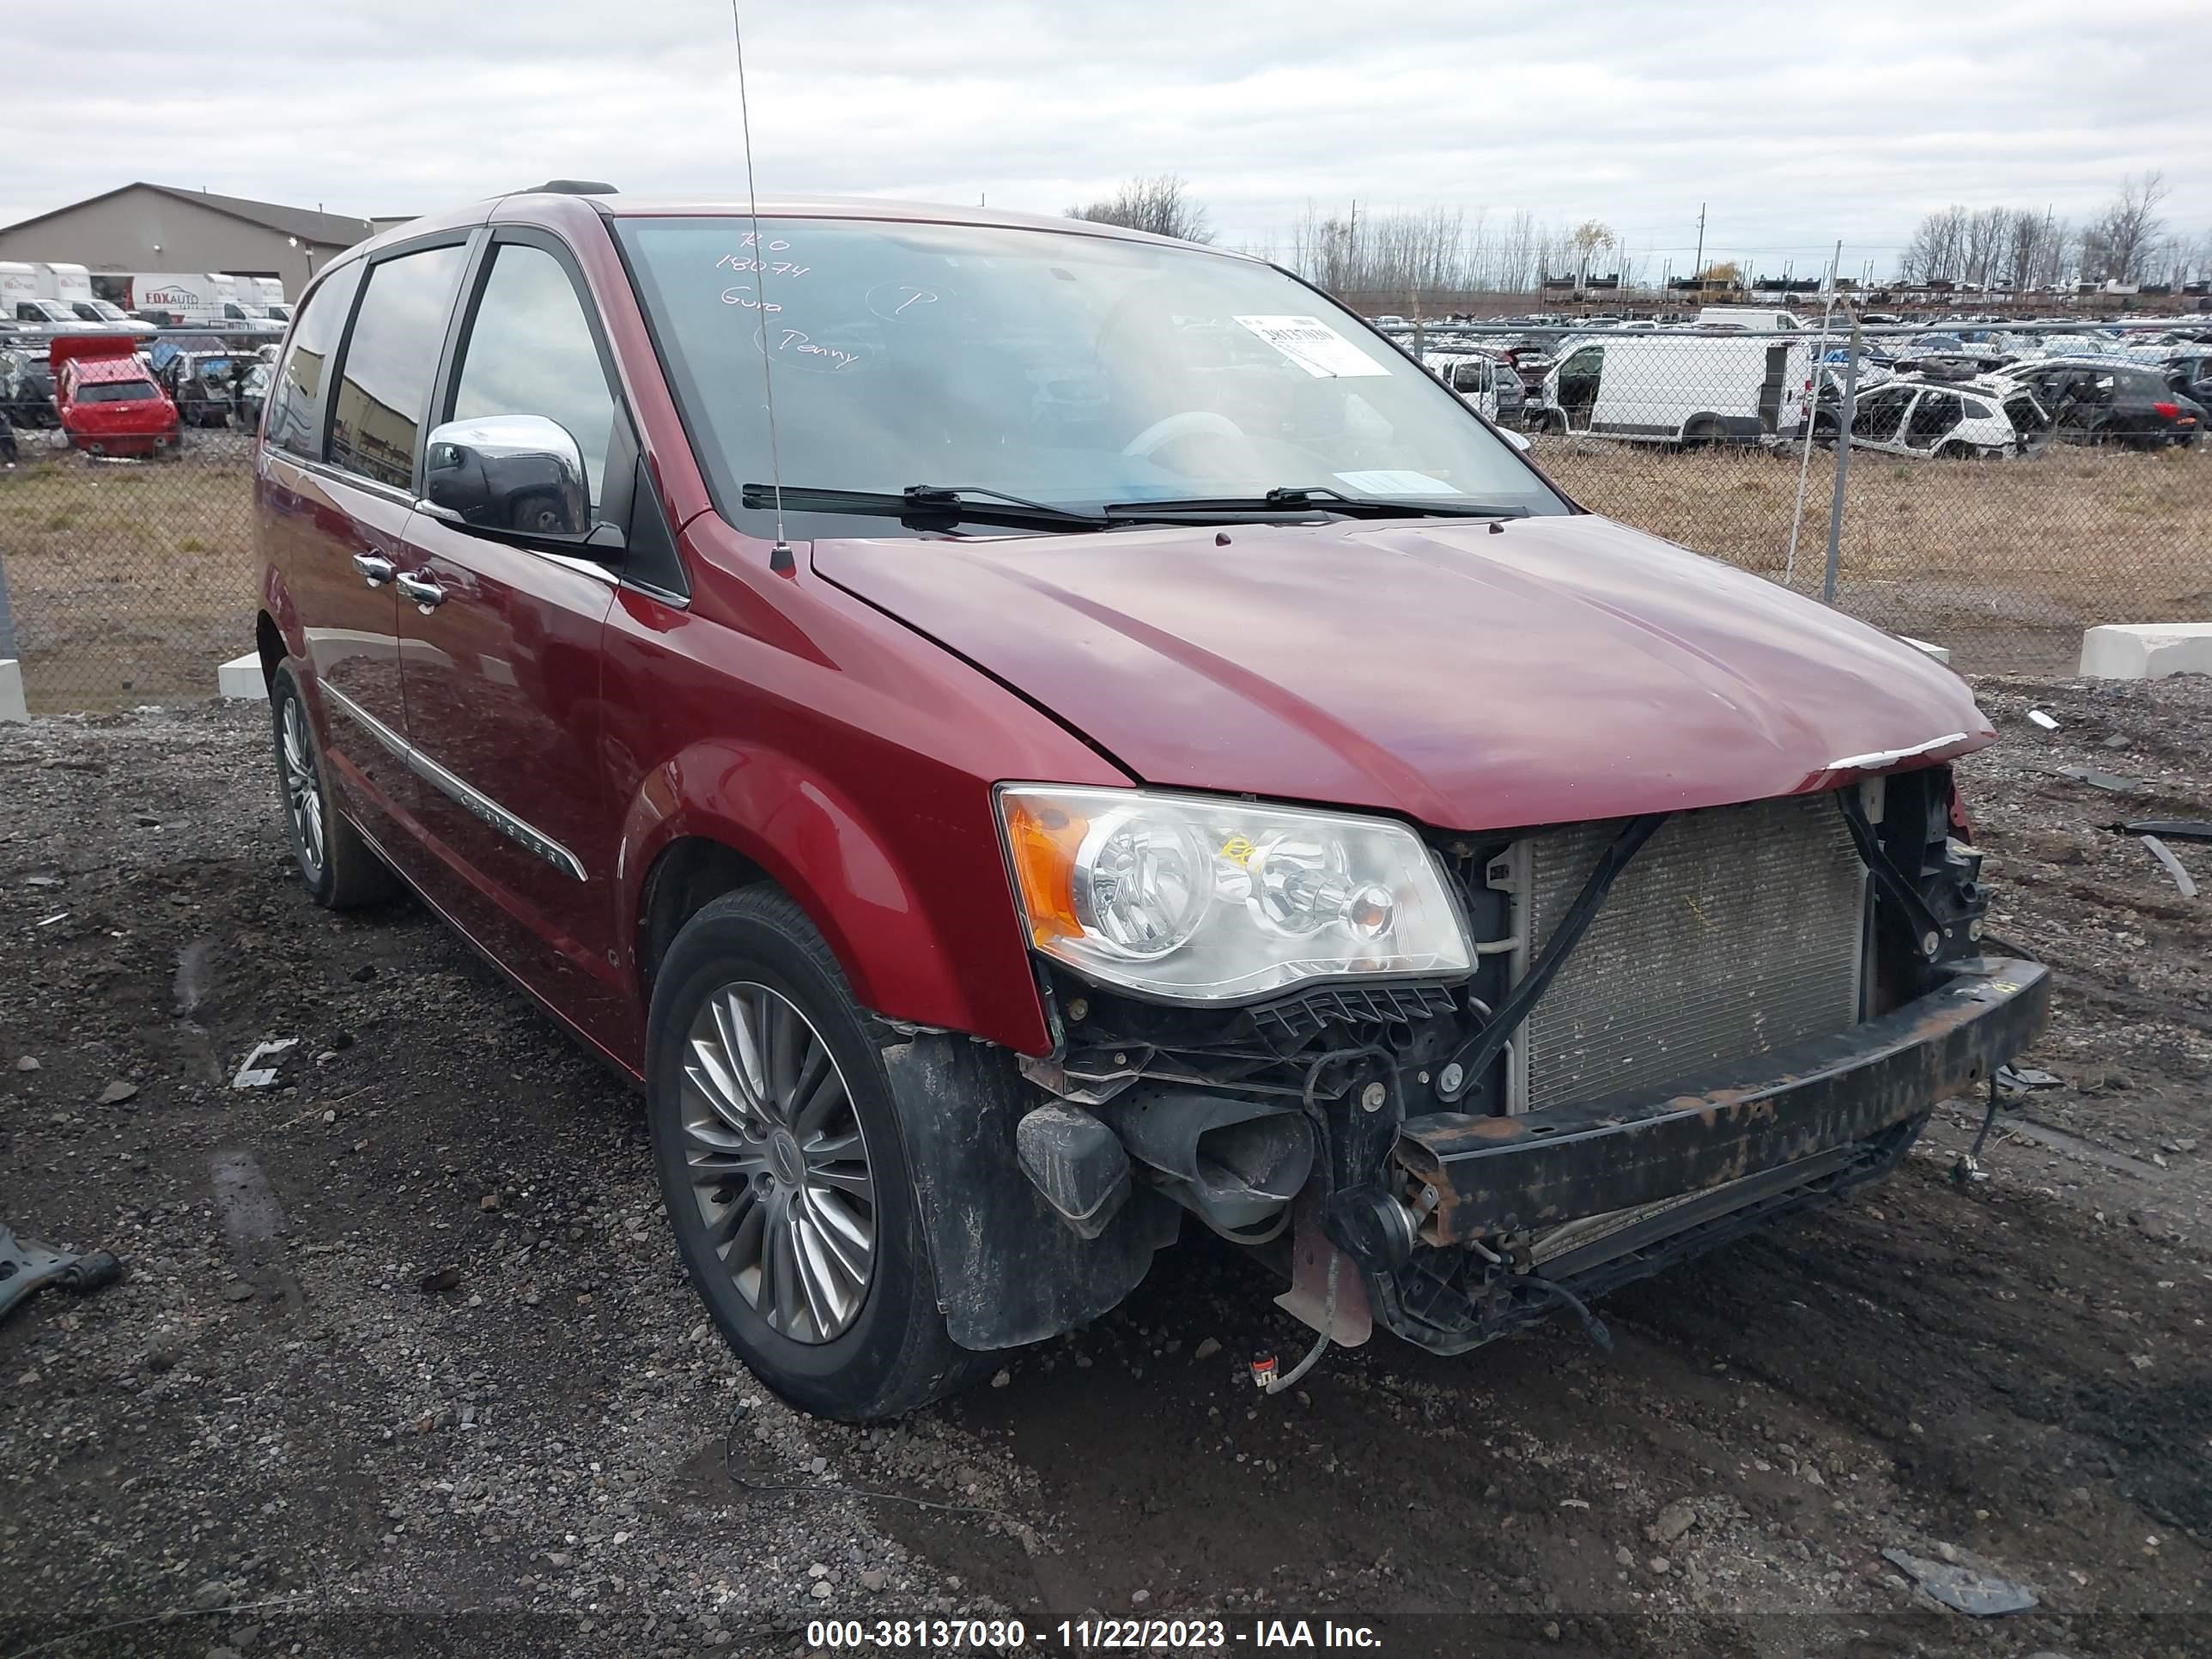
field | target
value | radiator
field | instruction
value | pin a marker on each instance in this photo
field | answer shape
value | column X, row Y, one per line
column 1732, row 931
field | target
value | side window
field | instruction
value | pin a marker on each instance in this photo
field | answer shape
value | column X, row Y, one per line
column 296, row 399
column 1585, row 361
column 529, row 352
column 1467, row 377
column 383, row 384
column 1978, row 411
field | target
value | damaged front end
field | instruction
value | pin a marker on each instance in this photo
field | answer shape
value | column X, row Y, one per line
column 1669, row 1030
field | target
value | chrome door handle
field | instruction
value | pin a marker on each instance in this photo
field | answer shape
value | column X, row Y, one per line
column 375, row 571
column 424, row 593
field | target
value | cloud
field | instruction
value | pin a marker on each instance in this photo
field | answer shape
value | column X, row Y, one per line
column 1795, row 126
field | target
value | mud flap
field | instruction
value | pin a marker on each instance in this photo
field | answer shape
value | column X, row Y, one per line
column 1008, row 1270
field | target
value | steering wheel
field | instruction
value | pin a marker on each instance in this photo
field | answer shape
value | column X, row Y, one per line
column 1188, row 423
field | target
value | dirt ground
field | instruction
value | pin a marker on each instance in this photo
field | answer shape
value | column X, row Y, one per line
column 404, row 1362
column 130, row 580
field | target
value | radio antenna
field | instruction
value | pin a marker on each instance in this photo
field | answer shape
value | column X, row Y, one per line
column 780, row 559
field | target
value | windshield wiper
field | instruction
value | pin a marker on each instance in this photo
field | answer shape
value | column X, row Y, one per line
column 928, row 505
column 1314, row 499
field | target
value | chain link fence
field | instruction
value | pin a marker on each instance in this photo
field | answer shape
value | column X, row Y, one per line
column 1997, row 517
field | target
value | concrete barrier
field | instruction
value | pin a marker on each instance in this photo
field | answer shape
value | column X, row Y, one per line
column 2146, row 651
column 239, row 679
column 12, row 707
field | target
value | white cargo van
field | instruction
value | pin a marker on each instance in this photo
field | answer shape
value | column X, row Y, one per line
column 70, row 287
column 18, row 283
column 1751, row 318
column 267, row 295
column 1689, row 389
column 184, row 296
column 56, row 297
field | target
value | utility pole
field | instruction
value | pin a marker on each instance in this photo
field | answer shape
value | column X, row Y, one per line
column 1698, row 271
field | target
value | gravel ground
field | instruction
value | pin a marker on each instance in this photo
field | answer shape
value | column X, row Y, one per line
column 404, row 1361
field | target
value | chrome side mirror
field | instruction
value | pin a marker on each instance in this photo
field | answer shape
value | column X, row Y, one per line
column 522, row 473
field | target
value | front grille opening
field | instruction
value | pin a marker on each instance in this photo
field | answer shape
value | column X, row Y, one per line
column 1735, row 931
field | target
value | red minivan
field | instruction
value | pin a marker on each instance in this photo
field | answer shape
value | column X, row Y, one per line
column 108, row 401
column 1022, row 737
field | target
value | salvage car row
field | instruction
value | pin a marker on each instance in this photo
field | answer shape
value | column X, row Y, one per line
column 1941, row 395
column 110, row 395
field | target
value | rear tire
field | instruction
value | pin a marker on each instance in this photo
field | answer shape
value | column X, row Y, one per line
column 336, row 865
column 783, row 1167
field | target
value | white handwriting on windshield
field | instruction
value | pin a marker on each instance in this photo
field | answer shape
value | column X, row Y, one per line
column 794, row 340
column 766, row 267
column 743, row 294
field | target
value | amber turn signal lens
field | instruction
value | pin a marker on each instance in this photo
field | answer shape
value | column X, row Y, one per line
column 1043, row 838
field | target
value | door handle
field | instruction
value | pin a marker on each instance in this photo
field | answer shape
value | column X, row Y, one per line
column 373, row 571
column 423, row 591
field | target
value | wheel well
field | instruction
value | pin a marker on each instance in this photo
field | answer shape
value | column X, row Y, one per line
column 269, row 641
column 688, row 874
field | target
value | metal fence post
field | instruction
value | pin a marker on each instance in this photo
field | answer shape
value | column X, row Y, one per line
column 1843, row 461
column 7, row 616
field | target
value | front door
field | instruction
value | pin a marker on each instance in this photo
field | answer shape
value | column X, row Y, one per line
column 501, row 659
column 360, row 495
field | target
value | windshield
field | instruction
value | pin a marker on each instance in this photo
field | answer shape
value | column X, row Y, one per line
column 1066, row 368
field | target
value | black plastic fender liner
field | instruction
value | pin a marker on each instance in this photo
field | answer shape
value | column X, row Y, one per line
column 1009, row 1271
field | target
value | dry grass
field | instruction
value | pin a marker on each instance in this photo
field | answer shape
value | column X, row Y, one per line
column 128, row 582
column 131, row 582
column 2016, row 557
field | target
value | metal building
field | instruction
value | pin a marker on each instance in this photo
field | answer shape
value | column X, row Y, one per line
column 142, row 226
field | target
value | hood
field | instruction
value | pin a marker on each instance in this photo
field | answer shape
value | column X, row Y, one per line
column 1556, row 669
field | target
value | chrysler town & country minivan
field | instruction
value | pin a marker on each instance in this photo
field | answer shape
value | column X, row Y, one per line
column 1024, row 739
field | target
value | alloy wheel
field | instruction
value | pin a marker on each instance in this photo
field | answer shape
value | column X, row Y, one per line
column 303, row 799
column 778, row 1163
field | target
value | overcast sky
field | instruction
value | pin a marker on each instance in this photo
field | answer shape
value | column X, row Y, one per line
column 1796, row 125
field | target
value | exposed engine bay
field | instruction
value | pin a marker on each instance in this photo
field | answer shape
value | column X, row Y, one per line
column 1677, row 1027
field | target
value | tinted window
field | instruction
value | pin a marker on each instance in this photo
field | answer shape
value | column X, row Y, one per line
column 296, row 401
column 529, row 352
column 384, row 387
column 116, row 391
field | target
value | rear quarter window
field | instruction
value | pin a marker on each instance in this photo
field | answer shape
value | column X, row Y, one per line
column 298, row 400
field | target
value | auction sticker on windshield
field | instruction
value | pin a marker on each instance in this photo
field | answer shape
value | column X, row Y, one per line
column 1313, row 345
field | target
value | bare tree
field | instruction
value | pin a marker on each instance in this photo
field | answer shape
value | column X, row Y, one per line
column 1160, row 203
column 2118, row 245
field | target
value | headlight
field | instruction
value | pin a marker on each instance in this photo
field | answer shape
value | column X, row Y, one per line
column 1202, row 900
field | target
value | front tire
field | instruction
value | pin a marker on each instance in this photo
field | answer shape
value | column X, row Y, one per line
column 781, row 1162
column 337, row 867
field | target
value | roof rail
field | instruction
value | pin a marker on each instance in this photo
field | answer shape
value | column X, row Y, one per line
column 572, row 187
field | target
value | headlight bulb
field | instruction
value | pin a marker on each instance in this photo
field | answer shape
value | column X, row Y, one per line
column 1370, row 910
column 1300, row 883
column 1142, row 884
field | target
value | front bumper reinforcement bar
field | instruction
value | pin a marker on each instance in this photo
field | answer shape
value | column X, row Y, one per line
column 1494, row 1175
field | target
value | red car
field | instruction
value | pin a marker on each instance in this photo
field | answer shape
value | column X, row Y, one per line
column 1023, row 738
column 108, row 400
